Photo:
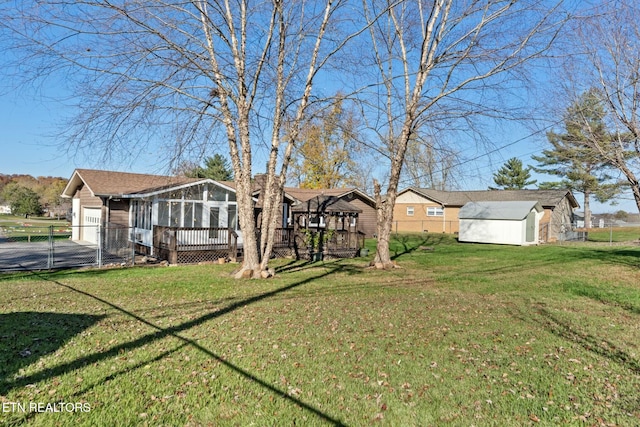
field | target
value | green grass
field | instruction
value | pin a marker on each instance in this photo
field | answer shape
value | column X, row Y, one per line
column 18, row 228
column 622, row 234
column 463, row 334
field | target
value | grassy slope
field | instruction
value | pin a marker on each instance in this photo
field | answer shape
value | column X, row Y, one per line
column 461, row 335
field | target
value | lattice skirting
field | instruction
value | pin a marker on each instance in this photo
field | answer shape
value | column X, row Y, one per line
column 194, row 257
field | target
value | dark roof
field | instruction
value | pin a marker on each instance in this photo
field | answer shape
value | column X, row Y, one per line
column 304, row 194
column 325, row 204
column 298, row 195
column 547, row 198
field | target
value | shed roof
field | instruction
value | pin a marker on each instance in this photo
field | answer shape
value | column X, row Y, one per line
column 509, row 210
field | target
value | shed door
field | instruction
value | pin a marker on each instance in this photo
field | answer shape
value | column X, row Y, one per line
column 90, row 224
column 531, row 227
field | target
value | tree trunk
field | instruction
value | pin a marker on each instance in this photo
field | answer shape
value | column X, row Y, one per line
column 587, row 209
column 382, row 259
column 384, row 222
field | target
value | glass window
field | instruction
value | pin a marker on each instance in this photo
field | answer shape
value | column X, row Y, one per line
column 163, row 213
column 136, row 212
column 217, row 194
column 214, row 222
column 188, row 214
column 176, row 214
column 316, row 221
column 194, row 193
column 232, row 218
column 148, row 215
column 409, row 210
column 174, row 194
column 142, row 215
column 435, row 211
column 197, row 214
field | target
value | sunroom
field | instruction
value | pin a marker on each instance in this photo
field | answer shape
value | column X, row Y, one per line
column 196, row 214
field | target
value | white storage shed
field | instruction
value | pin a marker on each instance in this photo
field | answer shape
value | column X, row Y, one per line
column 507, row 223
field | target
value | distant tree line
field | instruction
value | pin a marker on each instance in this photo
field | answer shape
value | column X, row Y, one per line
column 27, row 195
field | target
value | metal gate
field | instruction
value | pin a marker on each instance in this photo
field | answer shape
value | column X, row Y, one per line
column 46, row 248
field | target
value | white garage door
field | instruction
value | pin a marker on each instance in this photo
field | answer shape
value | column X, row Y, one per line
column 90, row 224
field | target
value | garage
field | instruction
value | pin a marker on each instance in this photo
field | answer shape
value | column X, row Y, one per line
column 90, row 224
column 507, row 223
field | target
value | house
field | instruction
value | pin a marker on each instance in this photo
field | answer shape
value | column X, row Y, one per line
column 420, row 209
column 507, row 223
column 141, row 201
column 197, row 215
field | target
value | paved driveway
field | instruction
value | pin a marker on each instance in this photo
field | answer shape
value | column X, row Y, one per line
column 38, row 255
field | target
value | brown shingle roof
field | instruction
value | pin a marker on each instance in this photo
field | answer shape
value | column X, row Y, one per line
column 547, row 198
column 109, row 183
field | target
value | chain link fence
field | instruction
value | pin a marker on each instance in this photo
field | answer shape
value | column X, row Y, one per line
column 53, row 247
column 601, row 232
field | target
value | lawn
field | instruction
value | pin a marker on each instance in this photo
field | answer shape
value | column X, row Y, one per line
column 462, row 334
column 616, row 234
column 35, row 229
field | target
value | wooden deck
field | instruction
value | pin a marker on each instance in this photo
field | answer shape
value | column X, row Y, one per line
column 189, row 245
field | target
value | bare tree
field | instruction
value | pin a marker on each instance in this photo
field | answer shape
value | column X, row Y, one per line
column 607, row 46
column 429, row 164
column 441, row 60
column 189, row 73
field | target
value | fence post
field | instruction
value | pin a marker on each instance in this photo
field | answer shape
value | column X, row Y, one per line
column 610, row 234
column 99, row 250
column 50, row 260
column 132, row 241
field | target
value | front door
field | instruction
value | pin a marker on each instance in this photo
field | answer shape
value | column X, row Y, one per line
column 531, row 227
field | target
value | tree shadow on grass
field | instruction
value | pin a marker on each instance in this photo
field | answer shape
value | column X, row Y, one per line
column 28, row 336
column 175, row 332
column 627, row 300
column 597, row 344
column 401, row 244
column 621, row 256
column 343, row 265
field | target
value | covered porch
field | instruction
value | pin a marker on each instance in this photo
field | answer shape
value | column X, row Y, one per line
column 326, row 227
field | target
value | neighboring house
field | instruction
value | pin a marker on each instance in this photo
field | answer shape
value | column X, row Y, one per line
column 141, row 201
column 507, row 223
column 419, row 209
column 5, row 209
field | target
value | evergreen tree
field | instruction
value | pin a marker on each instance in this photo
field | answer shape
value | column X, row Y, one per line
column 216, row 167
column 572, row 158
column 512, row 176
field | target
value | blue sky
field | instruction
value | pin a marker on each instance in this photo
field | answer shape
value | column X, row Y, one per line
column 29, row 125
column 28, row 140
column 28, row 146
